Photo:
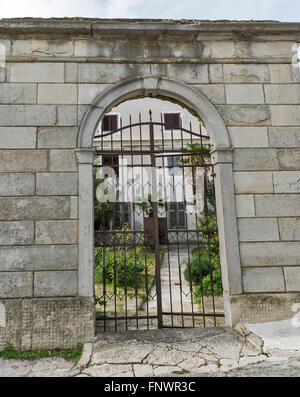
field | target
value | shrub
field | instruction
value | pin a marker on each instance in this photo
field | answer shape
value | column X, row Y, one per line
column 197, row 261
column 120, row 266
column 209, row 253
column 207, row 285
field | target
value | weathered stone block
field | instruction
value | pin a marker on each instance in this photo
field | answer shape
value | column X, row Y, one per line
column 263, row 280
column 56, row 232
column 66, row 115
column 258, row 229
column 23, row 161
column 244, row 94
column 277, row 205
column 17, row 137
column 88, row 92
column 94, row 48
column 270, row 254
column 56, row 184
column 214, row 92
column 49, row 47
column 257, row 308
column 286, row 181
column 292, row 278
column 289, row 228
column 19, row 233
column 282, row 93
column 33, row 208
column 43, row 257
column 278, row 49
column 82, row 110
column 18, row 93
column 188, row 73
column 253, row 182
column 17, row 184
column 255, row 159
column 289, row 159
column 62, row 160
column 11, row 331
column 27, row 115
column 57, row 137
column 244, row 206
column 16, row 284
column 3, row 74
column 285, row 73
column 285, row 115
column 282, row 137
column 246, row 73
column 40, row 72
column 247, row 137
column 74, row 207
column 57, row 94
column 57, row 283
column 220, row 49
column 215, row 73
column 245, row 114
column 68, row 321
column 103, row 72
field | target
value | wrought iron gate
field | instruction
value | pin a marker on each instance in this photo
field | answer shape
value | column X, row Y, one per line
column 156, row 241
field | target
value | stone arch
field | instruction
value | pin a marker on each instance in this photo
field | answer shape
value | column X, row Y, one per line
column 154, row 86
column 193, row 99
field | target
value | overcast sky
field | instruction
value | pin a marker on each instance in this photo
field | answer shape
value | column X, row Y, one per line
column 281, row 10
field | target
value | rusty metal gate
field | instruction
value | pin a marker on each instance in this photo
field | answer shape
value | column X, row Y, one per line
column 156, row 242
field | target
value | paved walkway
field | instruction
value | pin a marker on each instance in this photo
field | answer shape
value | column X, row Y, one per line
column 203, row 352
column 176, row 292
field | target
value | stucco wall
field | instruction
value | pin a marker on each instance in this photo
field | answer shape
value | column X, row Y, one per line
column 53, row 72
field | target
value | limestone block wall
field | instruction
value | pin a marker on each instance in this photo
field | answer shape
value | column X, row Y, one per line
column 53, row 72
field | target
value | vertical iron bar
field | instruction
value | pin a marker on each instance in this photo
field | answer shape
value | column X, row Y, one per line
column 156, row 226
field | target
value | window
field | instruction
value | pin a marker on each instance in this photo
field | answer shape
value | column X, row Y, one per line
column 174, row 164
column 110, row 122
column 176, row 215
column 172, row 121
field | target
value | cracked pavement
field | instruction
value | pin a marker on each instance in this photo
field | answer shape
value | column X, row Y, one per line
column 211, row 352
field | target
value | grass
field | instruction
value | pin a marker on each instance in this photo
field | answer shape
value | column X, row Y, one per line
column 132, row 292
column 9, row 353
column 181, row 372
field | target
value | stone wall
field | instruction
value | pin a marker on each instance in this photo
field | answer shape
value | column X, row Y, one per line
column 54, row 70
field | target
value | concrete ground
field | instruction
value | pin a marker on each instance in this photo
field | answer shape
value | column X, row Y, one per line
column 204, row 352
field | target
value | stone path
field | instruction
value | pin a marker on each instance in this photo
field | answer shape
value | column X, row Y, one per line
column 176, row 294
column 209, row 352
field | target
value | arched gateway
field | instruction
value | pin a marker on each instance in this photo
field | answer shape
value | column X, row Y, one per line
column 160, row 87
column 60, row 77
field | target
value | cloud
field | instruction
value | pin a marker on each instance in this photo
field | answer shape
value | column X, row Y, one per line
column 288, row 10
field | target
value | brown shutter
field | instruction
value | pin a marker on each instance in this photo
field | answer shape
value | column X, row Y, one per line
column 110, row 122
column 172, row 121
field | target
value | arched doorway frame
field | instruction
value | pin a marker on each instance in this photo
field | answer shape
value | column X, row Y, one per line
column 192, row 98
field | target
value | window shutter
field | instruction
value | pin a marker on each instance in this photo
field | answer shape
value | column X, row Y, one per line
column 110, row 122
column 172, row 121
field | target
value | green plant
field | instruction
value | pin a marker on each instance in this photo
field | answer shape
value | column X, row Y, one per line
column 208, row 286
column 181, row 372
column 9, row 353
column 120, row 264
column 208, row 234
column 199, row 264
